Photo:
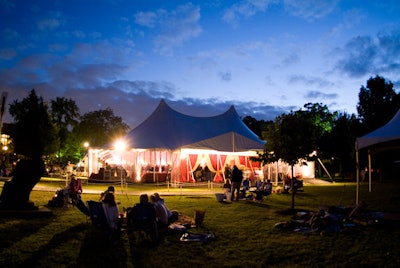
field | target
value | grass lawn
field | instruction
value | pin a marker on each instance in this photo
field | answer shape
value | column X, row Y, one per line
column 245, row 233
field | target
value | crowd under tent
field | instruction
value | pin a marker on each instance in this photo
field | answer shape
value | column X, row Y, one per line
column 383, row 139
column 174, row 145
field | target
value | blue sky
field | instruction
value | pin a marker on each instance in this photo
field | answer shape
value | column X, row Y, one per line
column 265, row 57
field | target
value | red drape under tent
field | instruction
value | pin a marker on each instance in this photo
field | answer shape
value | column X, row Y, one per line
column 215, row 161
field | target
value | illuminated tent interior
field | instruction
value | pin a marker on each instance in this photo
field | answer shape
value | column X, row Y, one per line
column 169, row 143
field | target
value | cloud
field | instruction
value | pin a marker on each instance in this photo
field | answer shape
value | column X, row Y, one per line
column 10, row 34
column 7, row 4
column 245, row 9
column 310, row 9
column 134, row 101
column 292, row 58
column 7, row 53
column 49, row 24
column 175, row 27
column 310, row 81
column 320, row 95
column 225, row 76
column 148, row 19
column 364, row 55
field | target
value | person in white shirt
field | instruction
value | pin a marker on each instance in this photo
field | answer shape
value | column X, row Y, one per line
column 111, row 211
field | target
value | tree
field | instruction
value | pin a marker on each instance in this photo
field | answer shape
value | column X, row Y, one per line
column 100, row 127
column 34, row 136
column 64, row 114
column 292, row 139
column 378, row 103
column 338, row 144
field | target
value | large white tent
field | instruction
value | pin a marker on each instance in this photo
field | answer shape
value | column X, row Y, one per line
column 384, row 138
column 169, row 141
column 168, row 129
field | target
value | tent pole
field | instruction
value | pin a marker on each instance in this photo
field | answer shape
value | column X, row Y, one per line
column 369, row 171
column 357, row 174
column 221, row 166
column 154, row 167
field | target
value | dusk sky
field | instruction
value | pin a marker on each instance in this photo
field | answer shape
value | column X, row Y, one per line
column 265, row 57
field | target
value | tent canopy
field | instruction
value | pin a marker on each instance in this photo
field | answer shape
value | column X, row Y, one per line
column 167, row 129
column 388, row 133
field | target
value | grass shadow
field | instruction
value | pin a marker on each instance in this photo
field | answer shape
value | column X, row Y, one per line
column 17, row 229
column 99, row 249
column 57, row 240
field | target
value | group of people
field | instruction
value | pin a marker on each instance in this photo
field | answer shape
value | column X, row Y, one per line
column 233, row 185
column 237, row 186
column 151, row 208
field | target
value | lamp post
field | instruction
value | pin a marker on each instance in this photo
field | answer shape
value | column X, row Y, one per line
column 120, row 147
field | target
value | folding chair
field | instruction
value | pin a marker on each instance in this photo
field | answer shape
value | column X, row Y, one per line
column 142, row 219
column 97, row 215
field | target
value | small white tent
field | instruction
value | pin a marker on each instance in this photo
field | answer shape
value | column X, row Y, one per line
column 384, row 138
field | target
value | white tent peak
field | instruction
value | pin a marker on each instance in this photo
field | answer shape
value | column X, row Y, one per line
column 388, row 132
column 169, row 129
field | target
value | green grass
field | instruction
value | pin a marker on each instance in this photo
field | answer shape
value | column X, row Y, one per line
column 245, row 233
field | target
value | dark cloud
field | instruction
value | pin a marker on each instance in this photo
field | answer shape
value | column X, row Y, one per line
column 320, row 95
column 134, row 101
column 310, row 81
column 365, row 55
column 225, row 76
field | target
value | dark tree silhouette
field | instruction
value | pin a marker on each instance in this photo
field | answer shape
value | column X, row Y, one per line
column 378, row 103
column 33, row 137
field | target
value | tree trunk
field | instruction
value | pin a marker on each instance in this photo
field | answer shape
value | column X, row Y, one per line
column 16, row 192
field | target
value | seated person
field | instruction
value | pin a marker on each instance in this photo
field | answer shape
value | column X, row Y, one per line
column 246, row 187
column 263, row 189
column 141, row 214
column 266, row 187
column 172, row 214
column 227, row 189
column 161, row 213
column 75, row 188
column 111, row 211
column 110, row 189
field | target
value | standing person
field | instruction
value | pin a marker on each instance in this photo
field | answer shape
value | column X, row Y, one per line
column 236, row 178
column 111, row 211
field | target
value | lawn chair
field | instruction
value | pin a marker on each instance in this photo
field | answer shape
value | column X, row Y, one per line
column 97, row 216
column 141, row 219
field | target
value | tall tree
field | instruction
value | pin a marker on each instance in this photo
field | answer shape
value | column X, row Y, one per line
column 338, row 145
column 64, row 114
column 35, row 133
column 100, row 127
column 292, row 139
column 378, row 103
column 34, row 136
